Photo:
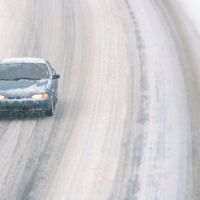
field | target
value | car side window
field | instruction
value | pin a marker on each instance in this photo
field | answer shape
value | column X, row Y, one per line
column 51, row 68
column 53, row 71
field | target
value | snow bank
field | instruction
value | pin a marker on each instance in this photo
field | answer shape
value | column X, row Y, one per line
column 192, row 9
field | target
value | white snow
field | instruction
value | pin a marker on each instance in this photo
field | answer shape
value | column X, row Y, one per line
column 163, row 171
column 36, row 88
column 192, row 10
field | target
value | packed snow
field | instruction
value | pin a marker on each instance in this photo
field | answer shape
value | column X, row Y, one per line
column 192, row 10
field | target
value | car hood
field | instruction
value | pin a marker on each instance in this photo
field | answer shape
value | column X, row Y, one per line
column 23, row 88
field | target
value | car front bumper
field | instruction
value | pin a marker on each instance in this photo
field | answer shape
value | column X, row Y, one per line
column 25, row 105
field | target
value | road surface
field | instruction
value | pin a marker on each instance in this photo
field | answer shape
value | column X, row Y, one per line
column 127, row 123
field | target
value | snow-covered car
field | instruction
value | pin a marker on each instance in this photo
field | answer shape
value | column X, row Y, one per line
column 28, row 84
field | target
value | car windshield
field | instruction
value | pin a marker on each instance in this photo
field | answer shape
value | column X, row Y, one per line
column 15, row 71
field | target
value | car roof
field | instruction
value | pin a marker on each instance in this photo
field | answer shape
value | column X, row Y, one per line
column 22, row 60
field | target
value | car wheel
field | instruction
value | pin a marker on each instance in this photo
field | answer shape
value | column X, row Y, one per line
column 50, row 111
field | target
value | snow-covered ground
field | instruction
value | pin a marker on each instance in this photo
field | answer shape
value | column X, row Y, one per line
column 127, row 121
column 192, row 10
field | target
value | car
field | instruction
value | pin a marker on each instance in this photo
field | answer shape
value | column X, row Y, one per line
column 28, row 84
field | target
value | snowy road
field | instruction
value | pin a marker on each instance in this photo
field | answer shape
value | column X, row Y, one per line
column 127, row 123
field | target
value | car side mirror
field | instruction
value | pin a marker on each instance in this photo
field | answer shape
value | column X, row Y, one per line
column 56, row 76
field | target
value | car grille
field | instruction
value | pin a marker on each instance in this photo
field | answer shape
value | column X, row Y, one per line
column 17, row 97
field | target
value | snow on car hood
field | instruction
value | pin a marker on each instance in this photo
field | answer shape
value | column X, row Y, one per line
column 23, row 88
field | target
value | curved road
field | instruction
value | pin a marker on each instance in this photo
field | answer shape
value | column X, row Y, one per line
column 127, row 122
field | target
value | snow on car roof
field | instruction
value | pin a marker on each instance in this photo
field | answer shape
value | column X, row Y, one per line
column 22, row 60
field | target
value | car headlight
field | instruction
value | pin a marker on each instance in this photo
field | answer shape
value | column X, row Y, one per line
column 2, row 97
column 40, row 96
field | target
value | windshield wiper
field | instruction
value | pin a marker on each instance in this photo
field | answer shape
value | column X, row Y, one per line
column 17, row 79
column 24, row 78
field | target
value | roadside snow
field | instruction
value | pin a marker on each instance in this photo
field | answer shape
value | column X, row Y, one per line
column 192, row 10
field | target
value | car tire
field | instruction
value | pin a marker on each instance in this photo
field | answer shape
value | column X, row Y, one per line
column 50, row 111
